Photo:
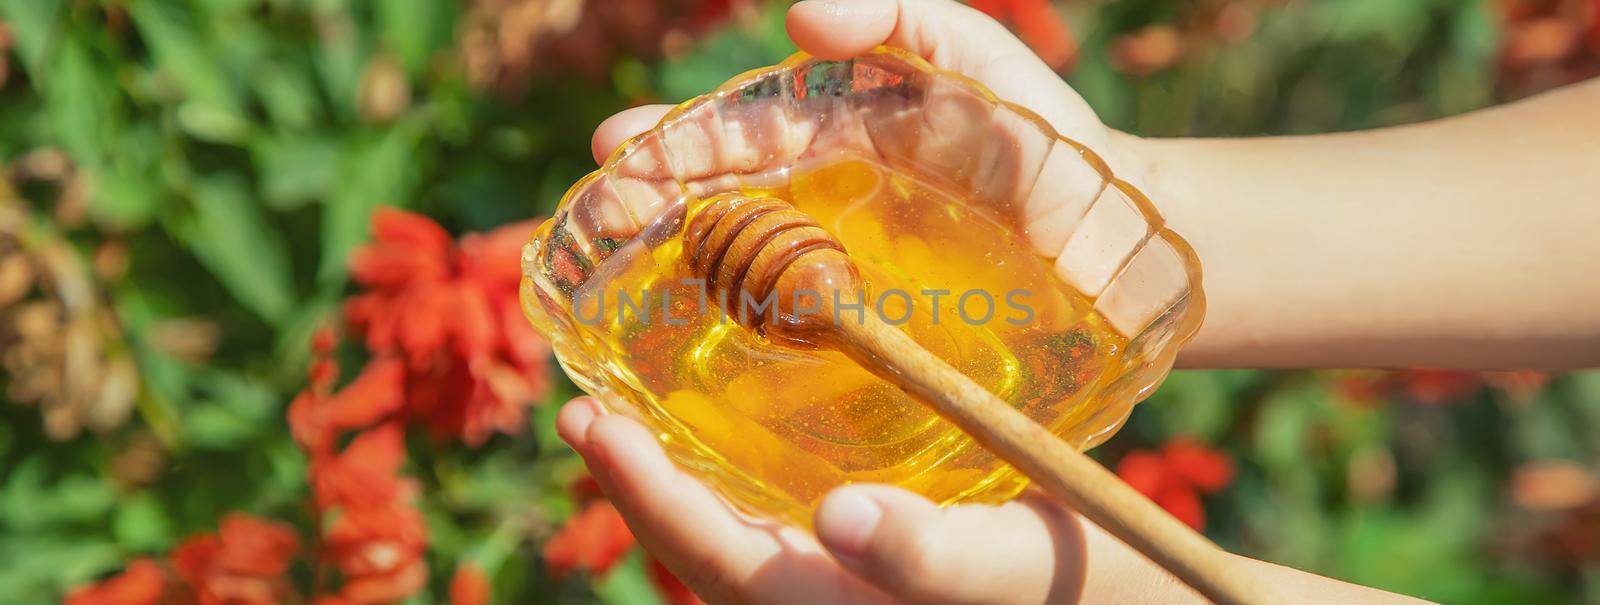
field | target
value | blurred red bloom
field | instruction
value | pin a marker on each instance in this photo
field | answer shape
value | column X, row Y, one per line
column 379, row 549
column 1204, row 468
column 450, row 350
column 1439, row 386
column 316, row 416
column 1547, row 43
column 671, row 590
column 1436, row 387
column 364, row 474
column 1039, row 25
column 376, row 537
column 242, row 564
column 143, row 582
column 469, row 586
column 449, row 314
column 1594, row 26
column 1176, row 475
column 593, row 540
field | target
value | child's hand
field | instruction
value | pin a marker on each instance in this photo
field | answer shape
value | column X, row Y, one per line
column 949, row 35
column 877, row 544
column 1367, row 249
column 886, row 545
column 1299, row 273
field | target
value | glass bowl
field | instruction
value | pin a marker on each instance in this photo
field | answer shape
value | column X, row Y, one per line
column 933, row 184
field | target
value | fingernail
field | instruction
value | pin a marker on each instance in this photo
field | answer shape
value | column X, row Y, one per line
column 832, row 7
column 576, row 418
column 846, row 521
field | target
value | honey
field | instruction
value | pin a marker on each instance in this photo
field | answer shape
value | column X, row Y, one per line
column 1009, row 252
column 792, row 424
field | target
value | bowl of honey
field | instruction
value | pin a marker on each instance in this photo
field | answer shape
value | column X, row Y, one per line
column 1007, row 250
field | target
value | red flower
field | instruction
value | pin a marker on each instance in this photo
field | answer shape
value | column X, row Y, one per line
column 411, row 248
column 1206, row 469
column 365, row 474
column 671, row 590
column 242, row 564
column 1038, row 24
column 1547, row 43
column 1437, row 387
column 1175, row 476
column 142, row 583
column 378, row 550
column 450, row 315
column 376, row 537
column 392, row 587
column 316, row 417
column 594, row 540
column 450, row 349
column 1594, row 27
column 469, row 586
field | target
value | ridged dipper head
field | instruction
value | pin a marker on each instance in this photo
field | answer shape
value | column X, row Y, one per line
column 771, row 267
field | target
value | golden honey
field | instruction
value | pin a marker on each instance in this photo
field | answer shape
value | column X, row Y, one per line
column 1005, row 249
column 793, row 424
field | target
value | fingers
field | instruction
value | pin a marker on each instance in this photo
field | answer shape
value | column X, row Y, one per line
column 719, row 553
column 659, row 503
column 572, row 422
column 951, row 36
column 948, row 34
column 673, row 515
column 1026, row 551
column 626, row 124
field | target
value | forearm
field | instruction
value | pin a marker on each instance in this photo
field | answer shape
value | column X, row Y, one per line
column 1472, row 242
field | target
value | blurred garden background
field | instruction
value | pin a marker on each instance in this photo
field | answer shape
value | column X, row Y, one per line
column 258, row 269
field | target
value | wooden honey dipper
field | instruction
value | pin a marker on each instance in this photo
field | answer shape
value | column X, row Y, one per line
column 751, row 249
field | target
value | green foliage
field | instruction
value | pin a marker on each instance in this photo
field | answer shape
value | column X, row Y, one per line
column 228, row 148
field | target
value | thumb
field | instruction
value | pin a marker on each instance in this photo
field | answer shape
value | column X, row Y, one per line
column 1026, row 551
column 947, row 33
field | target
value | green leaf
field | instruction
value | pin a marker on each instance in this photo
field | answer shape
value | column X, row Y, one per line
column 126, row 199
column 212, row 110
column 340, row 58
column 628, row 583
column 38, row 569
column 231, row 236
column 1364, row 21
column 725, row 54
column 34, row 24
column 33, row 499
column 288, row 94
column 1285, row 418
column 210, row 122
column 376, row 171
column 1197, row 403
column 141, row 524
column 295, row 169
column 81, row 99
column 233, row 409
column 415, row 29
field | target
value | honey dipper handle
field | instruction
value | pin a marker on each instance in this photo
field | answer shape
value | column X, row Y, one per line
column 1064, row 472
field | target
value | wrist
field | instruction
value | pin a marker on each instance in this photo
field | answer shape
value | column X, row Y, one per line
column 1131, row 159
column 1166, row 171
